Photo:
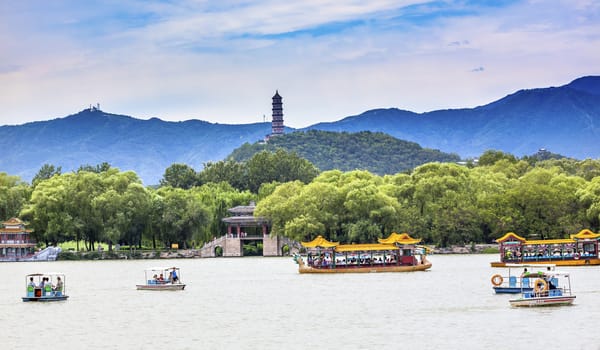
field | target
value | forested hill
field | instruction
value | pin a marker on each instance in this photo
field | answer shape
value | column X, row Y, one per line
column 564, row 120
column 374, row 151
column 92, row 137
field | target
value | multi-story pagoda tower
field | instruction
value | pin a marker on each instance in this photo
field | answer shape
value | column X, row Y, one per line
column 277, row 123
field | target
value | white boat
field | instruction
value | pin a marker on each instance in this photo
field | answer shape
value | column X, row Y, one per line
column 519, row 277
column 162, row 278
column 552, row 289
column 49, row 286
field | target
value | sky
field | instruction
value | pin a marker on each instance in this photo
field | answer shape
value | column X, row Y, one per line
column 222, row 61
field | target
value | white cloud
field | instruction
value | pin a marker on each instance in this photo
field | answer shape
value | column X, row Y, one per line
column 329, row 59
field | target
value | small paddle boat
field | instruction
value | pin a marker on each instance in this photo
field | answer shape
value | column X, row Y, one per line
column 49, row 286
column 552, row 289
column 518, row 278
column 162, row 278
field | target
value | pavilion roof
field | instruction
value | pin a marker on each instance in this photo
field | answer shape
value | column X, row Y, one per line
column 585, row 234
column 400, row 238
column 320, row 242
column 510, row 236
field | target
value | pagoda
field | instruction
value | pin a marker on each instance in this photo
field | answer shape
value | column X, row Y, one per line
column 277, row 123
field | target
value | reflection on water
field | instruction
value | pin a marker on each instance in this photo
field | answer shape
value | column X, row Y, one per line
column 263, row 303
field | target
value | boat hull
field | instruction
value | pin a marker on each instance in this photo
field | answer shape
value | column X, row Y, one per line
column 45, row 299
column 543, row 301
column 580, row 262
column 365, row 269
column 176, row 286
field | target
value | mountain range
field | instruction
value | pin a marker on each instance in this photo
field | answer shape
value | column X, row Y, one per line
column 564, row 120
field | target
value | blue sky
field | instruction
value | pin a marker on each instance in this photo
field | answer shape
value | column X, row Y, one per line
column 221, row 61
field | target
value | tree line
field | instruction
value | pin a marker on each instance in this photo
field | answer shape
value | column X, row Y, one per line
column 443, row 203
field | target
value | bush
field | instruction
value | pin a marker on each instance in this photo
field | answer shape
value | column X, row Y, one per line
column 68, row 256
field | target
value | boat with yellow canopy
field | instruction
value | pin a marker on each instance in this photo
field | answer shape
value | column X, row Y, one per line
column 396, row 253
column 578, row 250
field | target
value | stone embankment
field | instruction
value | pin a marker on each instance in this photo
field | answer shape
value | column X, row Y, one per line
column 466, row 249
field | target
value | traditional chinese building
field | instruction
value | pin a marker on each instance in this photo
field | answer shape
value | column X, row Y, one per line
column 15, row 241
column 243, row 223
column 244, row 228
column 277, row 123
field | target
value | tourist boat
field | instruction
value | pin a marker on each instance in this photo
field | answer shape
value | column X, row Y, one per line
column 162, row 278
column 514, row 282
column 397, row 253
column 49, row 286
column 552, row 289
column 577, row 250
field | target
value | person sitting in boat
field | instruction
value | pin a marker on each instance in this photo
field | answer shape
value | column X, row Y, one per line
column 58, row 289
column 47, row 286
column 525, row 273
column 31, row 283
column 161, row 278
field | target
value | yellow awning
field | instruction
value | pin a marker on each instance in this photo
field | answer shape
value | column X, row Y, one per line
column 400, row 238
column 510, row 235
column 364, row 247
column 549, row 241
column 585, row 234
column 319, row 242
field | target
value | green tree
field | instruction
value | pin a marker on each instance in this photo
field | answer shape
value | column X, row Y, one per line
column 14, row 194
column 232, row 172
column 45, row 172
column 179, row 176
column 280, row 166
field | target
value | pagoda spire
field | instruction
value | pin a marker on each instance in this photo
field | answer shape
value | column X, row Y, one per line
column 277, row 123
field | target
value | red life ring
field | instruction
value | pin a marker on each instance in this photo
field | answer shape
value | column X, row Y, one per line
column 497, row 280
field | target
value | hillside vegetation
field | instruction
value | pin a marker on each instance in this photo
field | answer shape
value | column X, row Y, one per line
column 376, row 152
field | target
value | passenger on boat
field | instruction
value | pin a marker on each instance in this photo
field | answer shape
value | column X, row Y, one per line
column 31, row 283
column 59, row 286
column 161, row 278
column 173, row 276
column 525, row 273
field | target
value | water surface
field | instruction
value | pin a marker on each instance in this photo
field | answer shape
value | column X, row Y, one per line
column 263, row 303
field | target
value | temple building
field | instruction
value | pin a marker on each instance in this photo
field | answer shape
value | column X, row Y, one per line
column 277, row 123
column 15, row 241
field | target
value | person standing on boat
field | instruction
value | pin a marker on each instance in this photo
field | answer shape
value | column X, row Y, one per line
column 59, row 286
column 174, row 278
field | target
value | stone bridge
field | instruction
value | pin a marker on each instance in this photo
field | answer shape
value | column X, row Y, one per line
column 232, row 245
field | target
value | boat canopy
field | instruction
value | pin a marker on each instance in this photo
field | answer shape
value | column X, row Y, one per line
column 400, row 238
column 364, row 247
column 161, row 268
column 510, row 236
column 384, row 243
column 582, row 235
column 585, row 234
column 319, row 242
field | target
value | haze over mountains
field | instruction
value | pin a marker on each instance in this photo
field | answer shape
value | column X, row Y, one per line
column 564, row 120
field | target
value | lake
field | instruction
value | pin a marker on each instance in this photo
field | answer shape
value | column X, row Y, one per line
column 263, row 303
